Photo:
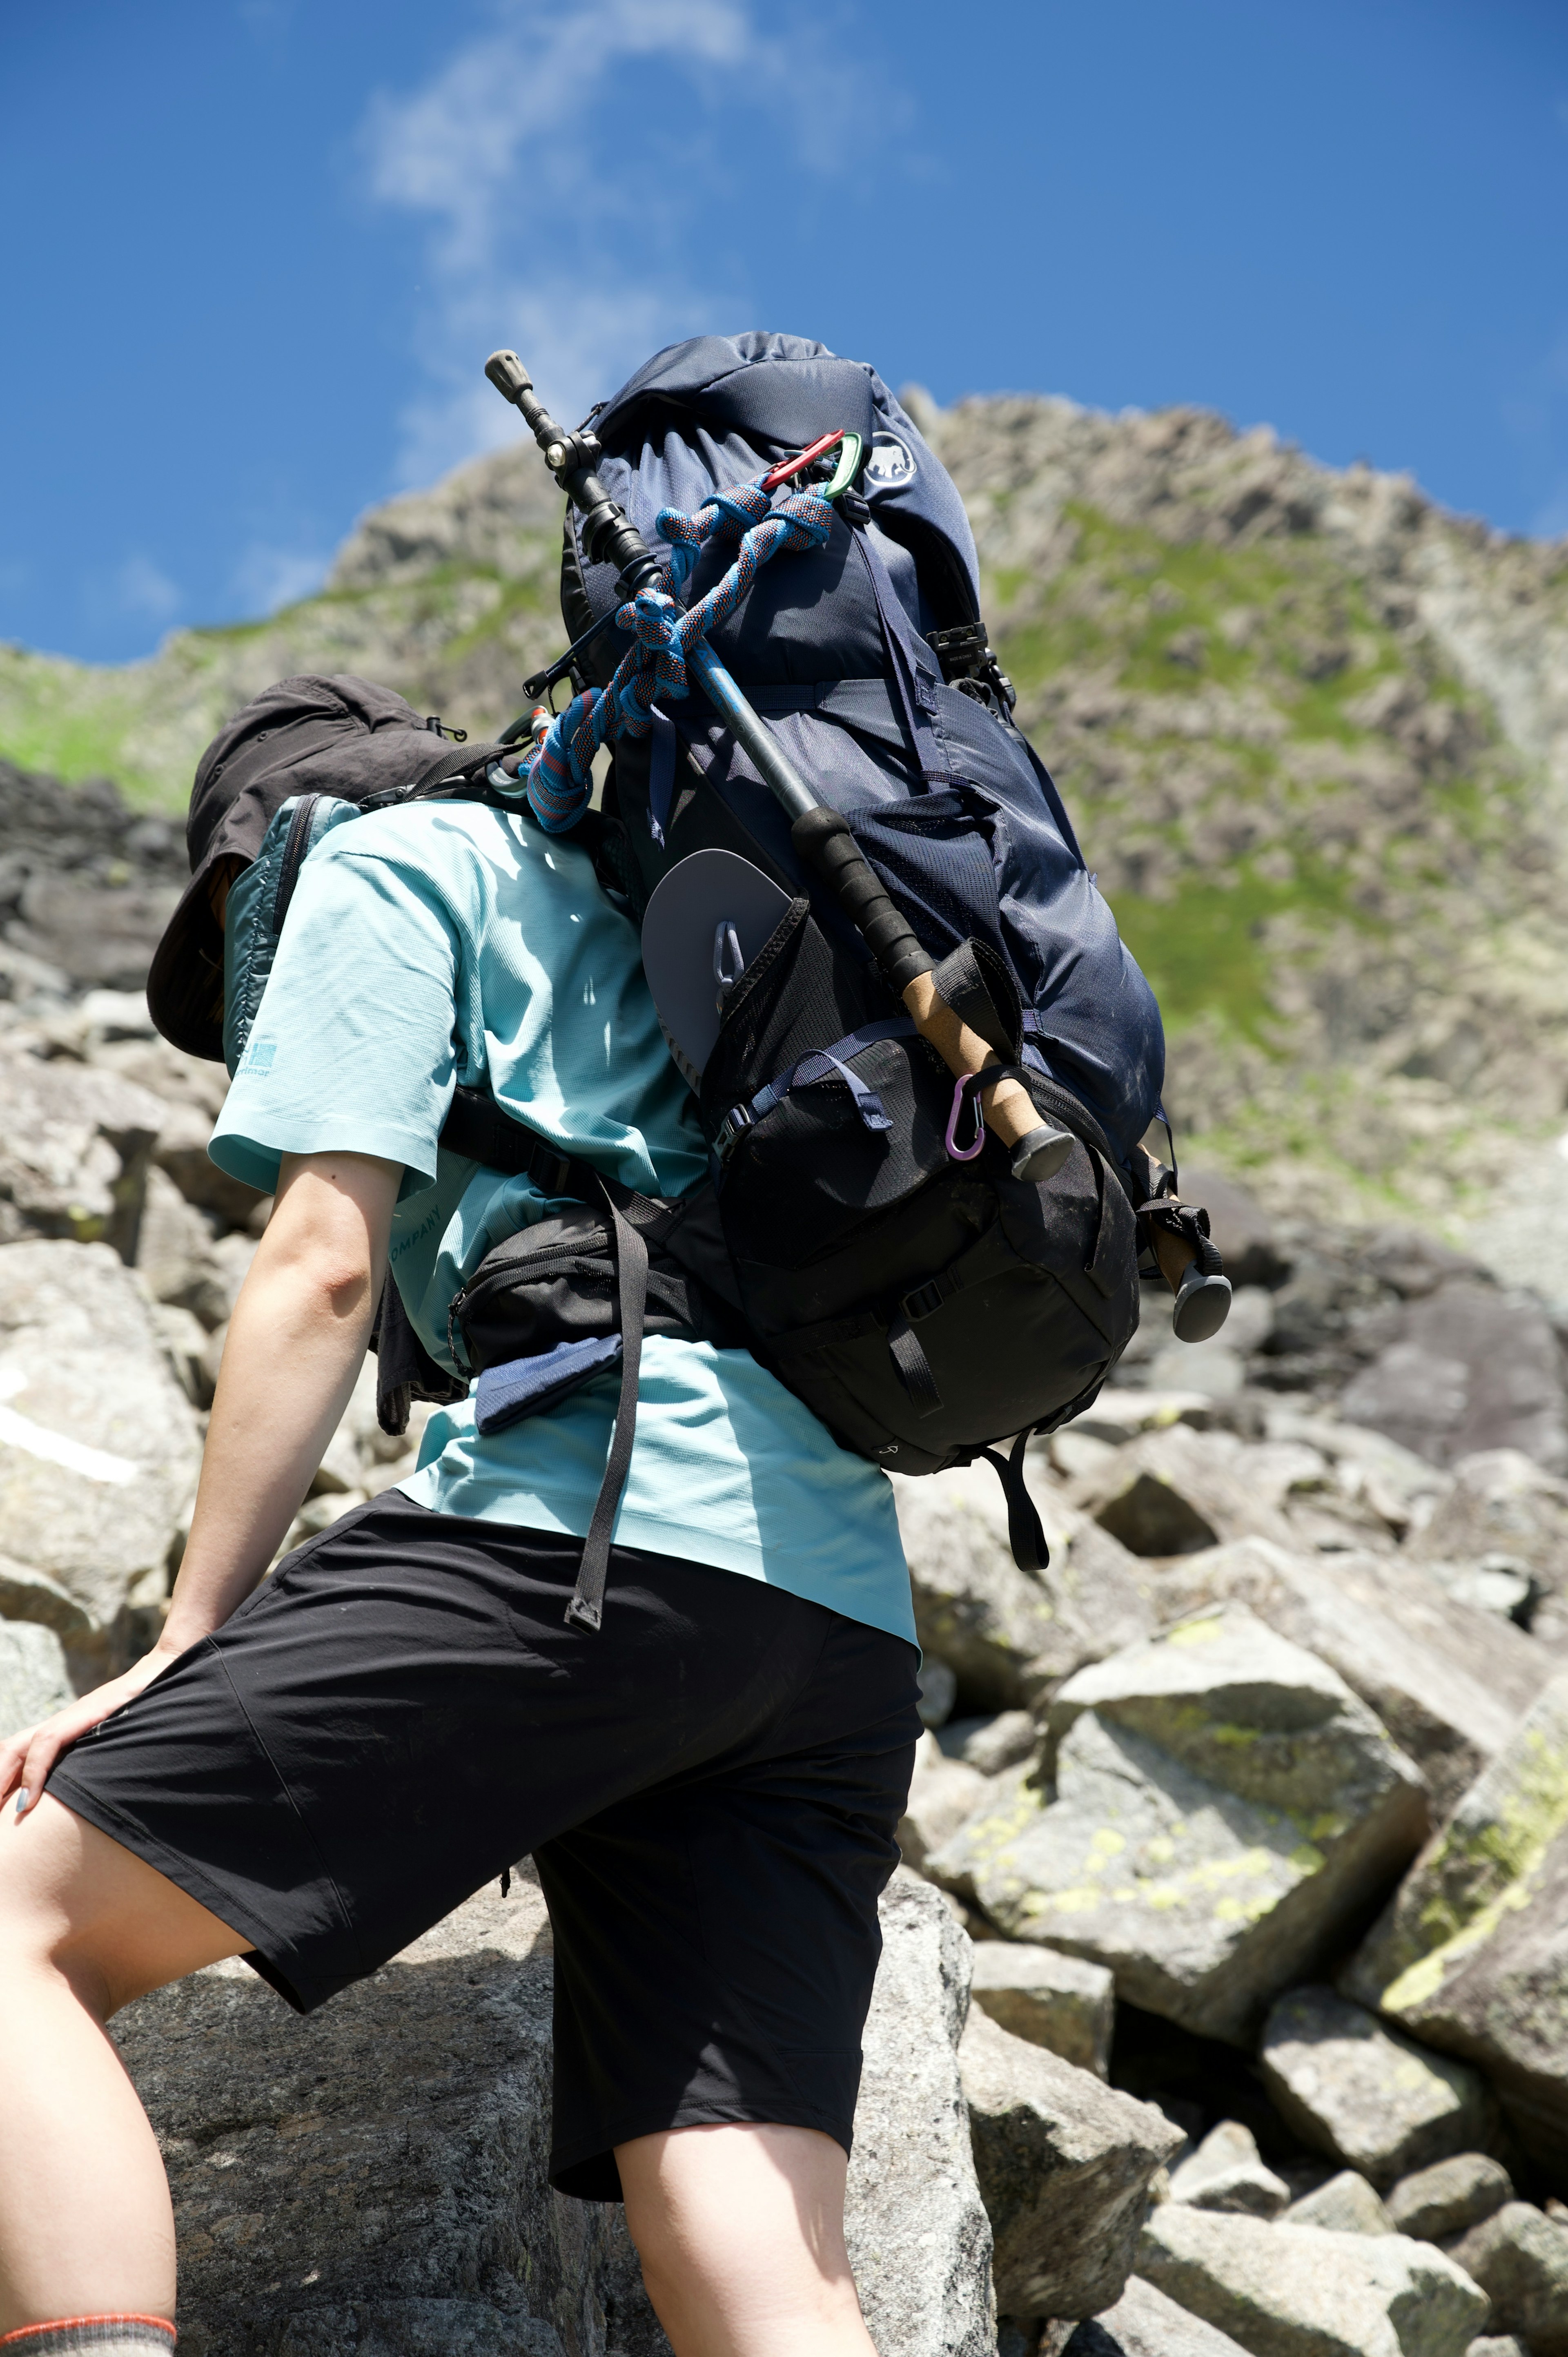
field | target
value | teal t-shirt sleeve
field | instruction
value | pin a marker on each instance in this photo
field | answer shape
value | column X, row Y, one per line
column 352, row 1050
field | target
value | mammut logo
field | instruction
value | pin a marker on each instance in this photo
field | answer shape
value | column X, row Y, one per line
column 891, row 461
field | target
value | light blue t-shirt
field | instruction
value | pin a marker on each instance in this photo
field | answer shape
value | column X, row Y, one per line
column 451, row 942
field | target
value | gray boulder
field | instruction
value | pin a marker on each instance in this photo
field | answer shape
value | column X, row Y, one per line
column 1346, row 2205
column 370, row 2182
column 1471, row 1955
column 29, row 1593
column 1148, row 2323
column 1250, row 1243
column 74, row 1150
column 1011, row 1635
column 938, row 1690
column 1222, row 1807
column 1466, row 1367
column 1228, row 2172
column 1521, row 2259
column 943, row 1794
column 1050, row 2000
column 991, row 1744
column 33, row 1682
column 102, row 940
column 153, row 1064
column 1505, row 1511
column 1450, row 2197
column 1401, row 1488
column 181, row 1152
column 174, row 1254
column 1177, row 1492
column 1447, row 1682
column 1300, row 2291
column 1363, row 2094
column 1065, row 2167
column 99, row 1447
column 920, row 2240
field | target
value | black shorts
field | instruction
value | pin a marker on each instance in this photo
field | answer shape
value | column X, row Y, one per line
column 709, row 1786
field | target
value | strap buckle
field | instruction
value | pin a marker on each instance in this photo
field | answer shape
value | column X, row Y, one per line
column 550, row 1173
column 734, row 1127
column 924, row 1300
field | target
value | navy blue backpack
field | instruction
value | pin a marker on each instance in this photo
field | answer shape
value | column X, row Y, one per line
column 920, row 1298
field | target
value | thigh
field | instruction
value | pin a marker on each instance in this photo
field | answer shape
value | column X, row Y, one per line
column 71, row 1897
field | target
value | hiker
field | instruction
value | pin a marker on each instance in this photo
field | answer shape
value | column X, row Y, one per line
column 864, row 1187
column 308, row 1771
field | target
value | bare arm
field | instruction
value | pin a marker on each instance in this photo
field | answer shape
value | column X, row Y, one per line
column 294, row 1345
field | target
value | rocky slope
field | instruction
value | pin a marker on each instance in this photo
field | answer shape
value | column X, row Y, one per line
column 1314, row 730
column 1255, row 1801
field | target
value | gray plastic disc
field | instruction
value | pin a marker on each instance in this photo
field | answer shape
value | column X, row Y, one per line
column 713, row 904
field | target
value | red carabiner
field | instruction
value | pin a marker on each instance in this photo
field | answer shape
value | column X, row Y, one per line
column 787, row 466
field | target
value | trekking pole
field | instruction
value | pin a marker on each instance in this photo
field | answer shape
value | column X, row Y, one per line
column 820, row 833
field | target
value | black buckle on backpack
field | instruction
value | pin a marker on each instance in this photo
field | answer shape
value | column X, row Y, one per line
column 550, row 1173
column 924, row 1300
column 967, row 663
column 734, row 1127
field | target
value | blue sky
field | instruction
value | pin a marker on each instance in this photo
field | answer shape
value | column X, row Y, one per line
column 258, row 250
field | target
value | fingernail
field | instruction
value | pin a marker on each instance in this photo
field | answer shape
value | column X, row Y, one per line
column 22, row 1802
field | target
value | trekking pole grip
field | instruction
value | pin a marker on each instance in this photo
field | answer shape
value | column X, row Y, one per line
column 823, row 837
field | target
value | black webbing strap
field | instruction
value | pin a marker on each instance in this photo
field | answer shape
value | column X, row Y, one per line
column 476, row 1126
column 913, row 1368
column 1026, row 1531
column 586, row 1608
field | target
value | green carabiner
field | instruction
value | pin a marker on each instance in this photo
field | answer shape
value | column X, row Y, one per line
column 848, row 466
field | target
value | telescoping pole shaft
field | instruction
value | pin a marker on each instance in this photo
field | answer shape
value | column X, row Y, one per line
column 820, row 834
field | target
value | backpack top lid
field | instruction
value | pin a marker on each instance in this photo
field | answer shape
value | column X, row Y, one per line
column 342, row 736
column 778, row 393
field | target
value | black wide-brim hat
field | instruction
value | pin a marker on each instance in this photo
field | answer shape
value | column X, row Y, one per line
column 341, row 735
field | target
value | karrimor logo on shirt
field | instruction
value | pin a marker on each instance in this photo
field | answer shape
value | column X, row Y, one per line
column 258, row 1057
column 891, row 461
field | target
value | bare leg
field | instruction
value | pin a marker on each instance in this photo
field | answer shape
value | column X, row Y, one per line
column 85, row 2224
column 740, row 2232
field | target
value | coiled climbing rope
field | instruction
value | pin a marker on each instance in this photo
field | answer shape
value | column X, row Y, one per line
column 557, row 775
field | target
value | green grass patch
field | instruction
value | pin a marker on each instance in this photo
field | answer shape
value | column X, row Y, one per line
column 1204, row 950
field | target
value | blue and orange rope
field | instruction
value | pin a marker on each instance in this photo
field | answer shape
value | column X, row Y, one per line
column 557, row 775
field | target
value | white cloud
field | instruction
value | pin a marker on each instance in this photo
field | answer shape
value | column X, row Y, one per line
column 540, row 236
column 267, row 576
column 140, row 588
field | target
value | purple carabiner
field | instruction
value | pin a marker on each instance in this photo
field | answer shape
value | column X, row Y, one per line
column 956, row 1152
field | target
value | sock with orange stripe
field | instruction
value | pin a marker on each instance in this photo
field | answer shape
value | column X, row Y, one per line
column 123, row 2336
